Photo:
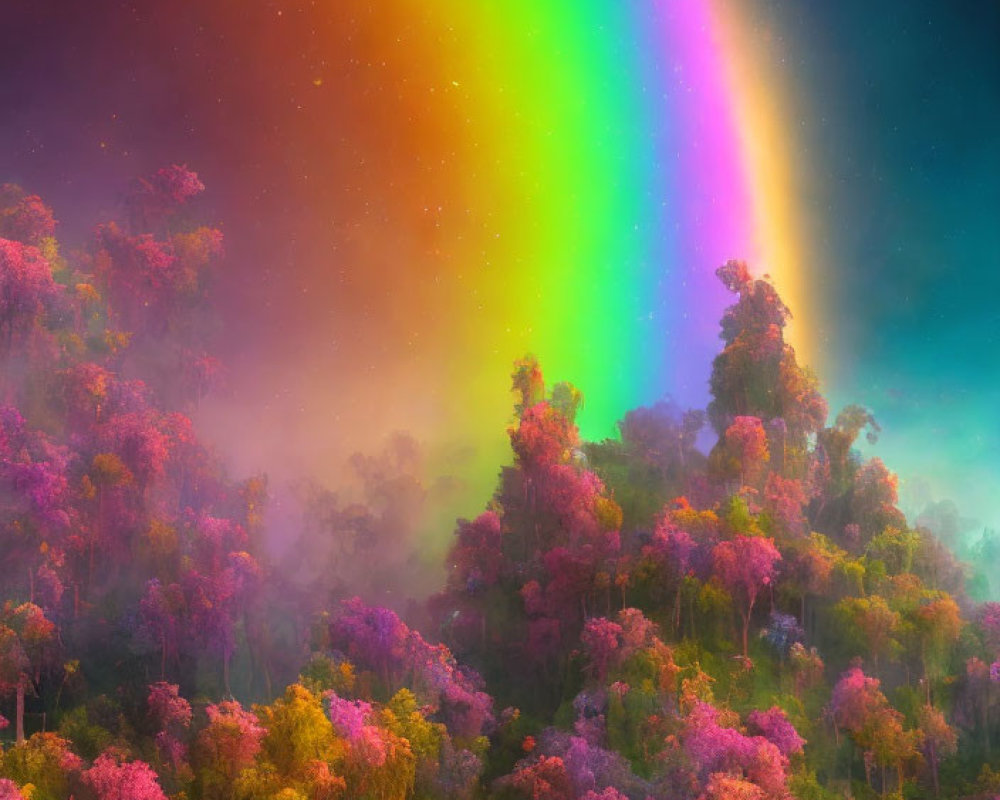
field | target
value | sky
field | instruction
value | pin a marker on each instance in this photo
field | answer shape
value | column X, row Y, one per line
column 902, row 120
column 413, row 194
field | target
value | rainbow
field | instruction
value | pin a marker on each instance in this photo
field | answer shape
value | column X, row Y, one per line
column 609, row 155
column 503, row 177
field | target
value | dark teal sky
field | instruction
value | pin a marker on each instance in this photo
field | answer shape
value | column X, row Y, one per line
column 900, row 116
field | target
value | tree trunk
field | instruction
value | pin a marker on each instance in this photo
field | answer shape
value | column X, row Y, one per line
column 746, row 625
column 21, row 680
column 677, row 611
column 934, row 770
column 691, row 625
column 986, row 719
column 746, row 629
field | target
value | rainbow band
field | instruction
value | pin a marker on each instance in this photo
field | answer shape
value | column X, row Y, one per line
column 613, row 155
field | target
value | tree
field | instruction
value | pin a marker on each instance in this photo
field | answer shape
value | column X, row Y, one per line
column 225, row 747
column 670, row 554
column 806, row 667
column 757, row 374
column 859, row 707
column 784, row 500
column 746, row 439
column 298, row 733
column 376, row 639
column 774, row 726
column 543, row 438
column 46, row 762
column 722, row 786
column 528, row 382
column 35, row 504
column 601, row 639
column 24, row 218
column 872, row 621
column 152, row 200
column 714, row 748
column 939, row 740
column 378, row 763
column 609, row 793
column 873, row 502
column 661, row 436
column 24, row 635
column 544, row 779
column 476, row 557
column 745, row 565
column 9, row 790
column 159, row 617
column 172, row 715
column 216, row 602
column 856, row 697
column 938, row 622
column 113, row 778
column 894, row 547
column 811, row 570
column 13, row 672
column 885, row 738
column 836, row 443
column 27, row 294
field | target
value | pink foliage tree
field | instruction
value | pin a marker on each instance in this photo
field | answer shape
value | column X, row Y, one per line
column 27, row 293
column 112, row 778
column 855, row 699
column 747, row 439
column 608, row 793
column 476, row 557
column 159, row 617
column 27, row 219
column 172, row 715
column 375, row 638
column 9, row 790
column 774, row 726
column 25, row 634
column 784, row 500
column 543, row 438
column 153, row 199
column 601, row 639
column 745, row 565
column 216, row 601
column 544, row 779
column 671, row 551
column 714, row 748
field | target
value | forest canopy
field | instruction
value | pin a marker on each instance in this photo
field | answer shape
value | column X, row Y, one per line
column 626, row 619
